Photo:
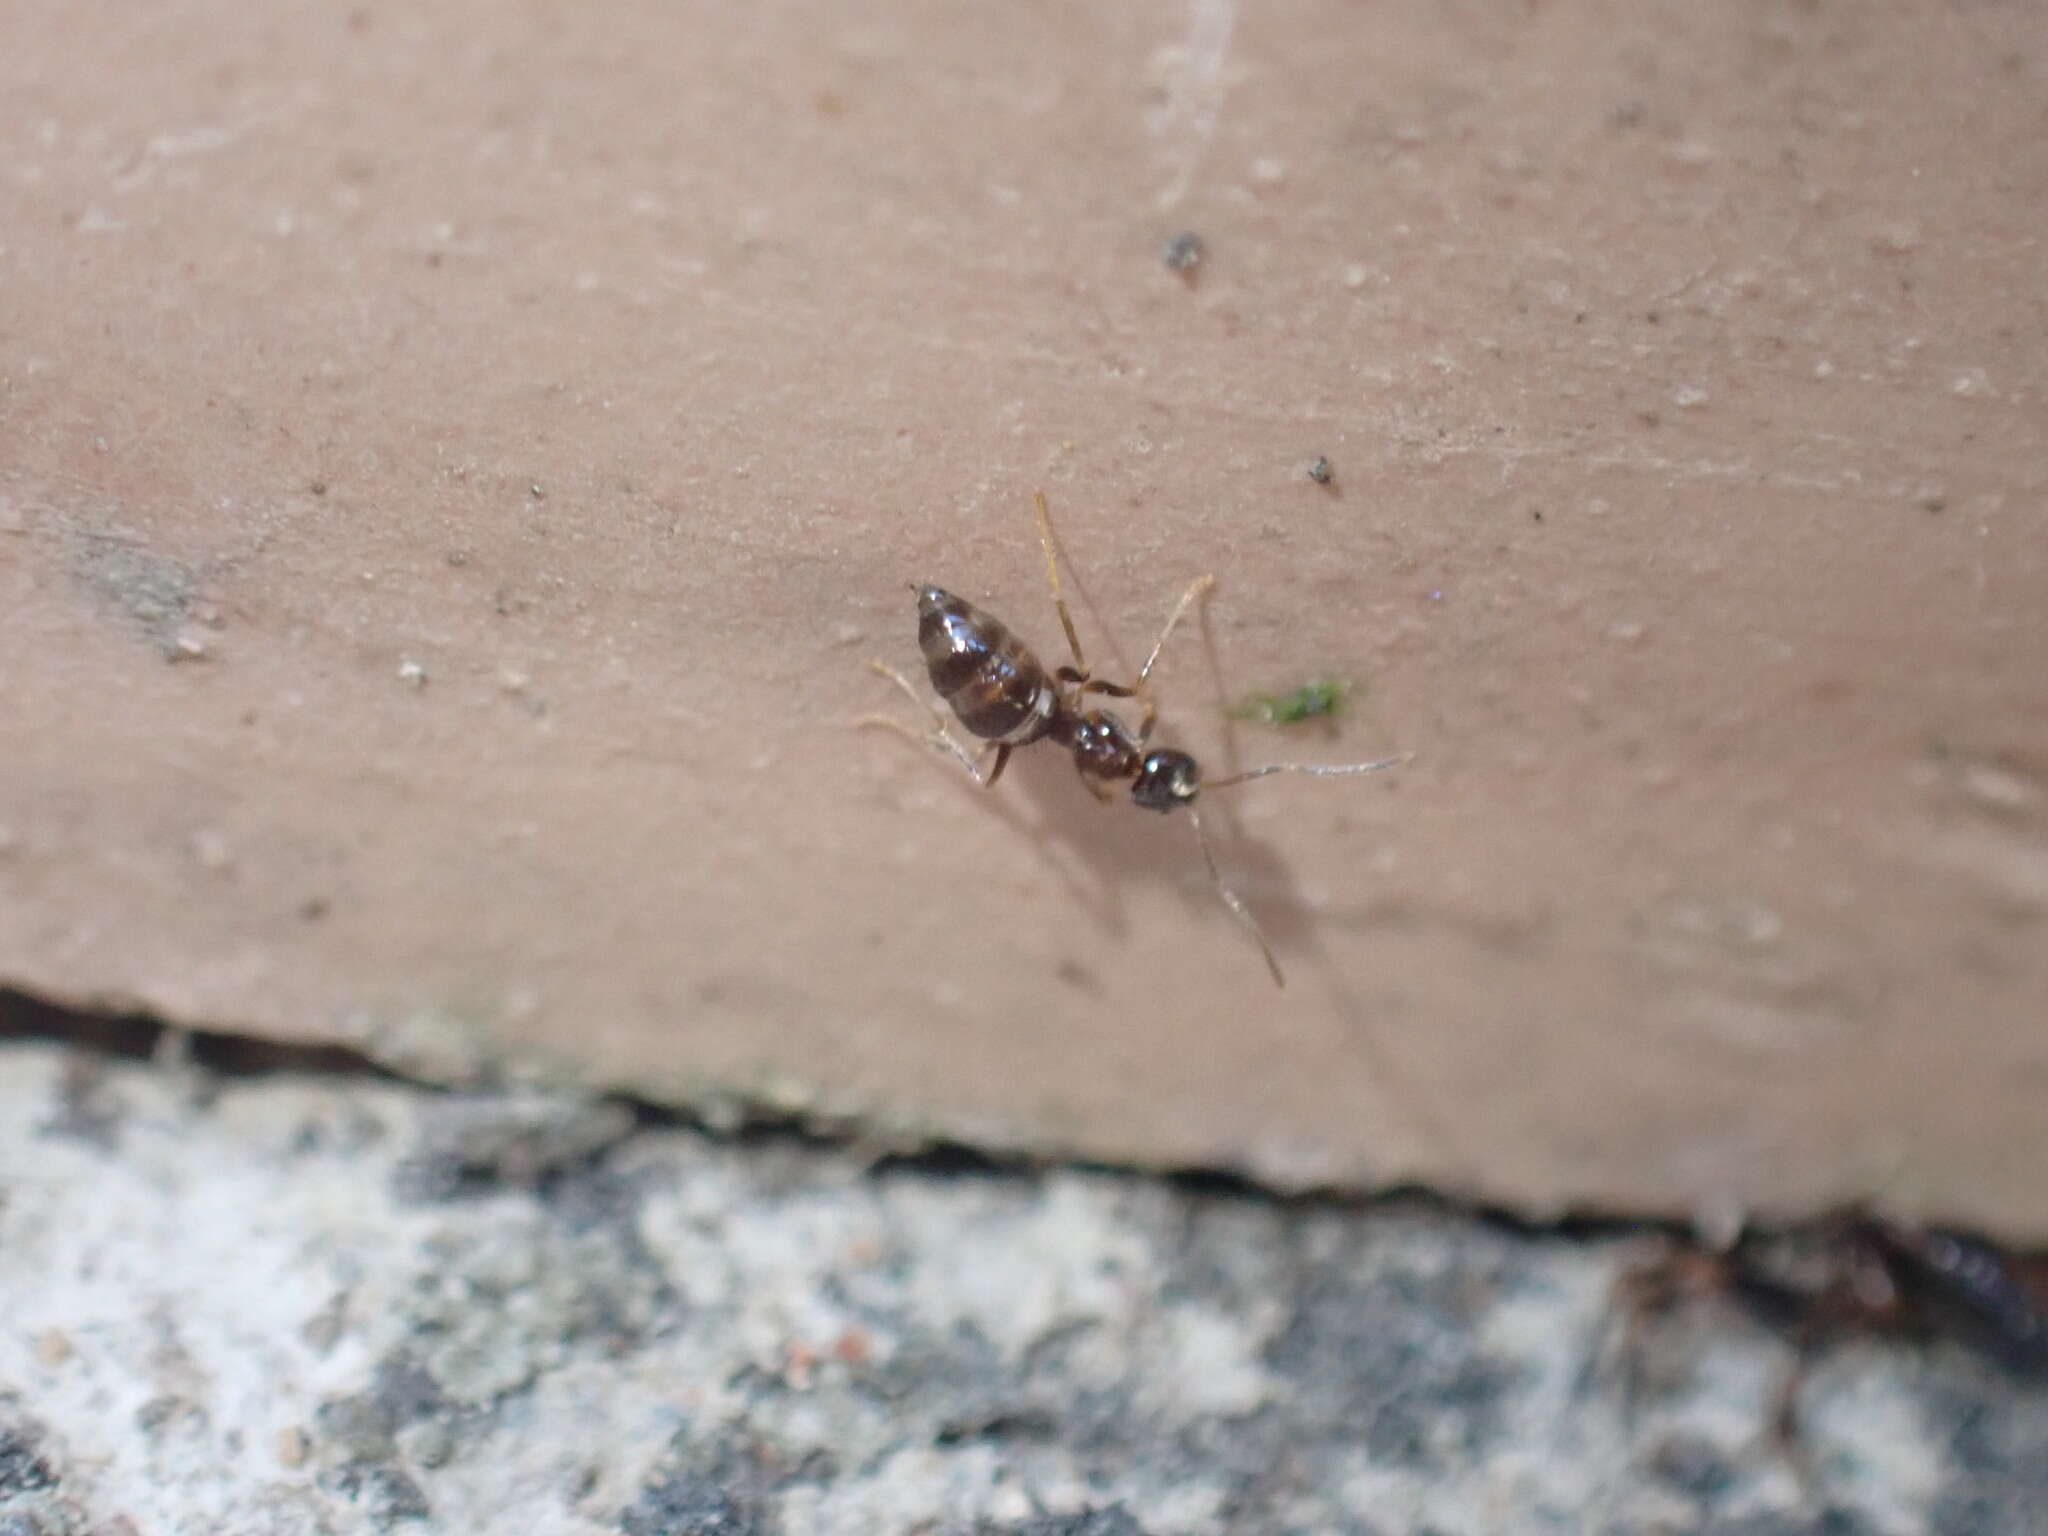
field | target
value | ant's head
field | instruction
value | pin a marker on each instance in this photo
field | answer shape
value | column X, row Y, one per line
column 1166, row 780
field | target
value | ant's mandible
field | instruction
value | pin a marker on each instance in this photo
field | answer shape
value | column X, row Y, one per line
column 1002, row 693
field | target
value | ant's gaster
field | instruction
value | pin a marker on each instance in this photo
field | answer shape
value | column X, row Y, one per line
column 1002, row 693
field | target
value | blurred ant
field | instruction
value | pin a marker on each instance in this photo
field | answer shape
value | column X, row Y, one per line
column 1003, row 694
column 1851, row 1273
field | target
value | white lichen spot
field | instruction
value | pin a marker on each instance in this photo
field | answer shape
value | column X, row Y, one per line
column 1755, row 925
column 1970, row 383
column 1824, row 369
column 1687, row 396
column 210, row 851
column 412, row 673
column 1998, row 790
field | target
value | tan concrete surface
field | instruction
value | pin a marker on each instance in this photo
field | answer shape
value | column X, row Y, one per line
column 455, row 462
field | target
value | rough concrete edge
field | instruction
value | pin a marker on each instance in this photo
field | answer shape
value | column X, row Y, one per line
column 122, row 1025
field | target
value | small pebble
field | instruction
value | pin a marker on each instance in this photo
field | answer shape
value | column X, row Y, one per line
column 1183, row 253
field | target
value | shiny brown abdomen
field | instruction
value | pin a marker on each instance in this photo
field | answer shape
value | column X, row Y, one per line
column 990, row 678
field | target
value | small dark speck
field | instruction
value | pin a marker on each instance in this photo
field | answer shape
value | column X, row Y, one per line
column 21, row 1469
column 1319, row 470
column 160, row 1412
column 318, row 487
column 313, row 908
column 1114, row 1520
column 1077, row 975
column 386, row 1494
column 1183, row 253
column 1536, row 515
column 87, row 1110
column 1934, row 504
column 686, row 1506
column 1654, row 318
column 457, row 558
column 1693, row 1465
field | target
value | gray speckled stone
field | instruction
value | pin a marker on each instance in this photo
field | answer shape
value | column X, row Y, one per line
column 333, row 1305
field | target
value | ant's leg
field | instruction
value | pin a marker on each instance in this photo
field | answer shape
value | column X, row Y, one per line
column 1096, row 787
column 936, row 736
column 1052, row 574
column 1141, row 688
column 1102, row 685
column 941, row 740
column 1188, row 599
column 1083, row 685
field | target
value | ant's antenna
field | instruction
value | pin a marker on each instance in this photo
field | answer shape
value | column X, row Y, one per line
column 1321, row 770
column 1232, row 900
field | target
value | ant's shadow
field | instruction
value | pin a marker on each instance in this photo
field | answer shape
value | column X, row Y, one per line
column 1097, row 847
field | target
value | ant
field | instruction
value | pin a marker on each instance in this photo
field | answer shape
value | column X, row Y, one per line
column 1850, row 1273
column 1003, row 694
